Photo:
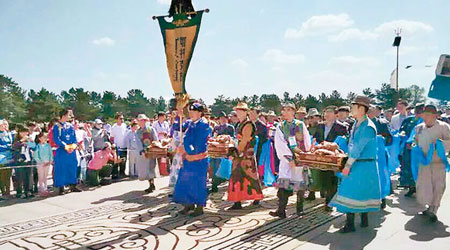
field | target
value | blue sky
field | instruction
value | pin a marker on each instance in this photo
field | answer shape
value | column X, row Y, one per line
column 244, row 47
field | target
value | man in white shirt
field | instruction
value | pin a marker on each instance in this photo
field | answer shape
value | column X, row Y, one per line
column 161, row 126
column 398, row 119
column 118, row 133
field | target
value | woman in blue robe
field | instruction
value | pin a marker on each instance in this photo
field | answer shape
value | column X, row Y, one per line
column 65, row 172
column 359, row 191
column 190, row 189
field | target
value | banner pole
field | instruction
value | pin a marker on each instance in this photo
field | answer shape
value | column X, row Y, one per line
column 187, row 13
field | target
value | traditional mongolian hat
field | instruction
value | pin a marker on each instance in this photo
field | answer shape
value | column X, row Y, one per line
column 430, row 108
column 344, row 109
column 197, row 107
column 142, row 117
column 241, row 106
column 313, row 112
column 302, row 110
column 362, row 100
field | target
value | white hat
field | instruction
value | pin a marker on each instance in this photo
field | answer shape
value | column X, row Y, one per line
column 142, row 117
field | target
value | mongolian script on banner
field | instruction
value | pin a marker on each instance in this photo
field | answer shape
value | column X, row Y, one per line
column 180, row 37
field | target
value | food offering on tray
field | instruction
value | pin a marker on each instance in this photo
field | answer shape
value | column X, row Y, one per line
column 158, row 149
column 70, row 147
column 324, row 156
column 219, row 147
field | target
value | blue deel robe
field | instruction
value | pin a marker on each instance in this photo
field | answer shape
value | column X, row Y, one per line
column 190, row 188
column 360, row 191
column 383, row 169
column 65, row 164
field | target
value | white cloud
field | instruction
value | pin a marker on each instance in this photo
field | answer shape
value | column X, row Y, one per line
column 104, row 41
column 240, row 63
column 353, row 33
column 340, row 27
column 319, row 25
column 409, row 28
column 279, row 57
column 366, row 61
column 164, row 1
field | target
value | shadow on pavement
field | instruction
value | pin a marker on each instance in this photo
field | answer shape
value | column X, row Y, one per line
column 356, row 240
column 425, row 230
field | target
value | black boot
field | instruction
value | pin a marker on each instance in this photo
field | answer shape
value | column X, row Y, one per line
column 149, row 189
column 214, row 189
column 349, row 225
column 410, row 192
column 197, row 212
column 433, row 218
column 186, row 209
column 73, row 188
column 256, row 203
column 383, row 203
column 282, row 203
column 61, row 191
column 300, row 200
column 236, row 206
column 364, row 220
column 311, row 196
column 322, row 194
column 152, row 186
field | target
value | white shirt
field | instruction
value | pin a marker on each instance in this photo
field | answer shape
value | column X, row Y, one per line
column 397, row 120
column 282, row 148
column 162, row 129
column 80, row 134
column 119, row 133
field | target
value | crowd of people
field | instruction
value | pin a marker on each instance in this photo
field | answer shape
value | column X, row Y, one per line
column 409, row 141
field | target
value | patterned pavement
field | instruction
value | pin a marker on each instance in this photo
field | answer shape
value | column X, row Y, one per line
column 152, row 222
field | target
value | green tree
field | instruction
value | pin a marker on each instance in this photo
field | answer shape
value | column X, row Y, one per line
column 311, row 102
column 417, row 94
column 42, row 106
column 110, row 105
column 85, row 104
column 368, row 92
column 162, row 104
column 386, row 96
column 137, row 103
column 12, row 100
column 351, row 96
column 336, row 99
column 286, row 97
column 298, row 100
column 270, row 102
column 221, row 104
column 254, row 101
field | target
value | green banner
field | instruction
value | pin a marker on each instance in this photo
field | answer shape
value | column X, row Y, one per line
column 180, row 37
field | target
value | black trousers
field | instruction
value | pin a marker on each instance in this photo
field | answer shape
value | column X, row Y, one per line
column 119, row 168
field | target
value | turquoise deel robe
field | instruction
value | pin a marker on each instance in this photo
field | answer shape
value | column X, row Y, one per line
column 383, row 168
column 360, row 192
column 191, row 184
column 65, row 172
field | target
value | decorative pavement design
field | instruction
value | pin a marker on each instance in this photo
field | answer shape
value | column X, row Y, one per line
column 152, row 222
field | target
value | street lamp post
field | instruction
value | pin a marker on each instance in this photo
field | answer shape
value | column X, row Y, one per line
column 396, row 43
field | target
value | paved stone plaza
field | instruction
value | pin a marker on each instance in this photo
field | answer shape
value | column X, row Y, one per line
column 121, row 216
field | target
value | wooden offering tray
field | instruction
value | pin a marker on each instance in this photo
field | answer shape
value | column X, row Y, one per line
column 157, row 150
column 325, row 156
column 321, row 162
column 220, row 146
